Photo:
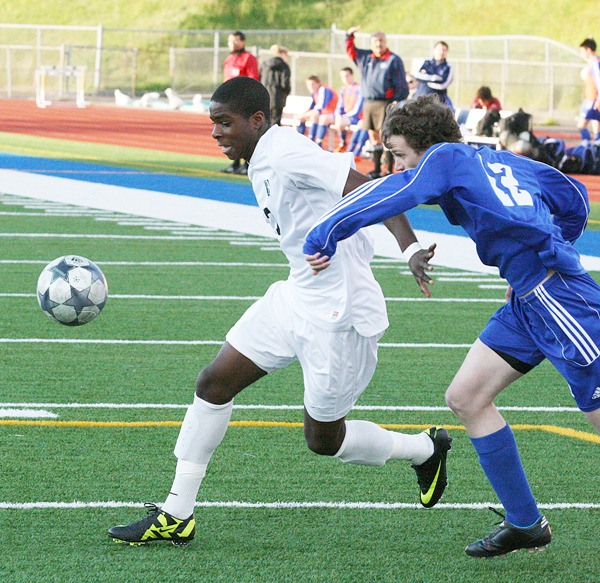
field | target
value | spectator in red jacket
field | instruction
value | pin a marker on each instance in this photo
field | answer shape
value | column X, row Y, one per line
column 485, row 100
column 239, row 63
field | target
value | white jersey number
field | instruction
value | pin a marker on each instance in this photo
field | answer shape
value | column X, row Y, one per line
column 506, row 186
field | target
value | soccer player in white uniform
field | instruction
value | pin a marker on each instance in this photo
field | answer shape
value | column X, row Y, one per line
column 330, row 324
column 524, row 217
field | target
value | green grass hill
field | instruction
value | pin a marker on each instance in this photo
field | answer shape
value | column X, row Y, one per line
column 567, row 22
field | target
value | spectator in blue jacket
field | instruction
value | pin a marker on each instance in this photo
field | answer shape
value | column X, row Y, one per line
column 436, row 74
column 383, row 80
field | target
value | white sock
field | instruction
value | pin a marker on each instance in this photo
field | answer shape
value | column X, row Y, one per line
column 202, row 430
column 184, row 491
column 417, row 448
column 365, row 443
column 369, row 444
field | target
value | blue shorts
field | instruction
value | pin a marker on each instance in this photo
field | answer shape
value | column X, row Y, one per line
column 560, row 321
column 354, row 119
column 587, row 111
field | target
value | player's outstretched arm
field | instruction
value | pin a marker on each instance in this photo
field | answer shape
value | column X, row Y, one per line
column 419, row 265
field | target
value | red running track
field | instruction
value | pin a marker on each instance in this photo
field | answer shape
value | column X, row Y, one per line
column 171, row 131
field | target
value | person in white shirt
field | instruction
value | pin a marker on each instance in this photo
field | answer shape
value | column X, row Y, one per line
column 331, row 324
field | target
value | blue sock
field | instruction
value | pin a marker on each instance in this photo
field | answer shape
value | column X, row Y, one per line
column 361, row 138
column 302, row 127
column 321, row 131
column 500, row 460
column 312, row 134
column 585, row 134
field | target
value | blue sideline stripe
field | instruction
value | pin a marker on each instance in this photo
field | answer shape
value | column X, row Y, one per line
column 424, row 219
column 132, row 178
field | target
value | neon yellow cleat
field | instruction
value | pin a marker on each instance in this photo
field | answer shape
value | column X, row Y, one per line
column 157, row 526
column 431, row 475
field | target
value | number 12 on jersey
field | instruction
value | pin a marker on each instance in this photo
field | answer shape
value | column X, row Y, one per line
column 506, row 186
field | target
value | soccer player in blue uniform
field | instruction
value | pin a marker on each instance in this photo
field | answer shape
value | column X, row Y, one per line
column 524, row 217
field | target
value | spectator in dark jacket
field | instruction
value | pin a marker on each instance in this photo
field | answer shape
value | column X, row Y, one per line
column 436, row 74
column 383, row 80
column 275, row 76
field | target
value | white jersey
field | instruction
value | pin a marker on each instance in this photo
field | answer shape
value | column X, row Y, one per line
column 295, row 183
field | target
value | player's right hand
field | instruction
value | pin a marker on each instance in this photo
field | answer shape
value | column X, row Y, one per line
column 352, row 30
column 317, row 262
column 419, row 265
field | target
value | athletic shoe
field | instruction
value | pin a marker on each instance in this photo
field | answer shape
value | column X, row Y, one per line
column 341, row 148
column 157, row 526
column 508, row 538
column 431, row 475
column 231, row 169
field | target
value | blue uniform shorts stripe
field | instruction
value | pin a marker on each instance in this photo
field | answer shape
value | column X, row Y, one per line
column 577, row 334
column 560, row 321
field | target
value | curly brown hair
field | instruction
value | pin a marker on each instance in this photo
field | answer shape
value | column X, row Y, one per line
column 423, row 122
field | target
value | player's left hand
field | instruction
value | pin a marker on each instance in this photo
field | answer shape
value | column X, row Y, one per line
column 419, row 265
column 317, row 262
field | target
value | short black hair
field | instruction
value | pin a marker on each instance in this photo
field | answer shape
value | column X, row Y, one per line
column 244, row 96
column 484, row 92
column 589, row 43
column 239, row 34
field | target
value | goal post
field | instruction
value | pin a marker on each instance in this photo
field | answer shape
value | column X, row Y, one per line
column 45, row 89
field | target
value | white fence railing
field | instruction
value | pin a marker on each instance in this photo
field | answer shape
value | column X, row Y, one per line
column 540, row 75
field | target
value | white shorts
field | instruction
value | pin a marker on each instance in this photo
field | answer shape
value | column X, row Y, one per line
column 337, row 366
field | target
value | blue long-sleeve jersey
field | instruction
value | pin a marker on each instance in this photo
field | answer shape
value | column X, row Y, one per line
column 434, row 77
column 522, row 215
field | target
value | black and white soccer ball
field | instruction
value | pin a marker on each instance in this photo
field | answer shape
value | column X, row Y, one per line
column 72, row 290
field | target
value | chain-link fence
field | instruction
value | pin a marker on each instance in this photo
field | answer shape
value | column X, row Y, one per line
column 538, row 74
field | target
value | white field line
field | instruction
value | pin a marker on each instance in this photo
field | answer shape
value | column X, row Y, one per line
column 293, row 505
column 375, row 264
column 468, row 279
column 192, row 342
column 242, row 240
column 254, row 298
column 270, row 407
column 155, row 263
column 27, row 413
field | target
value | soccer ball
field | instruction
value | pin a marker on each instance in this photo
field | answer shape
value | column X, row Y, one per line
column 72, row 290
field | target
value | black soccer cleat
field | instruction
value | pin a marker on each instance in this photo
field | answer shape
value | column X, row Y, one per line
column 431, row 475
column 157, row 526
column 508, row 538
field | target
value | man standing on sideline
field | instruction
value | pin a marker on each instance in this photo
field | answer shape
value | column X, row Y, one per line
column 275, row 75
column 239, row 63
column 436, row 74
column 524, row 217
column 590, row 108
column 383, row 80
column 330, row 324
